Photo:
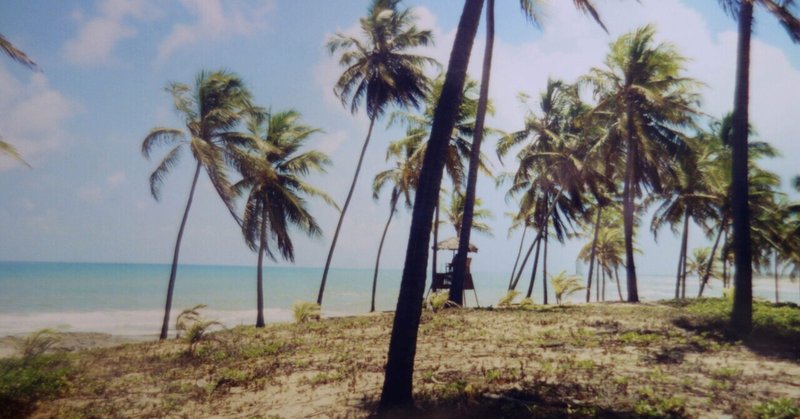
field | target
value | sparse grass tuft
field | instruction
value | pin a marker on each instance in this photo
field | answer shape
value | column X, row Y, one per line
column 305, row 311
column 785, row 408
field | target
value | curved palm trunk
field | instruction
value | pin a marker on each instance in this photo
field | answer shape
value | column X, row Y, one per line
column 619, row 287
column 682, row 258
column 742, row 314
column 174, row 270
column 398, row 385
column 628, row 208
column 544, row 264
column 344, row 211
column 262, row 246
column 538, row 244
column 511, row 283
column 594, row 252
column 525, row 259
column 395, row 195
column 460, row 268
column 707, row 273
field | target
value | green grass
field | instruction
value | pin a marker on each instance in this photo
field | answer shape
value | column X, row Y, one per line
column 24, row 381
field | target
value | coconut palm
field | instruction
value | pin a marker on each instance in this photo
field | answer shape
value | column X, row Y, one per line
column 701, row 264
column 403, row 178
column 529, row 8
column 650, row 101
column 379, row 71
column 211, row 110
column 455, row 214
column 272, row 168
column 565, row 285
column 742, row 10
column 398, row 385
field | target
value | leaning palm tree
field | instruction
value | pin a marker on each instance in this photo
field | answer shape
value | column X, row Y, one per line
column 397, row 391
column 273, row 168
column 381, row 72
column 742, row 10
column 529, row 8
column 211, row 109
column 651, row 101
column 403, row 178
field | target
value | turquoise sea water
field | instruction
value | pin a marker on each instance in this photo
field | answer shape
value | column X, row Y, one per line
column 128, row 299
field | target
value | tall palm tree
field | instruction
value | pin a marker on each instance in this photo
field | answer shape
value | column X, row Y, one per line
column 272, row 169
column 651, row 101
column 398, row 385
column 211, row 110
column 742, row 10
column 529, row 8
column 455, row 214
column 403, row 178
column 22, row 58
column 379, row 71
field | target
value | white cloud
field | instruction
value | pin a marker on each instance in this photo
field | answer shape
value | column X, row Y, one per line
column 33, row 116
column 214, row 20
column 330, row 143
column 98, row 36
column 116, row 179
column 90, row 194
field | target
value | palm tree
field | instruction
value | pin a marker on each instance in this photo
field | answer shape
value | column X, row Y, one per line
column 650, row 101
column 742, row 10
column 403, row 178
column 455, row 214
column 272, row 169
column 211, row 109
column 398, row 385
column 381, row 72
column 564, row 285
column 22, row 58
column 530, row 9
column 701, row 264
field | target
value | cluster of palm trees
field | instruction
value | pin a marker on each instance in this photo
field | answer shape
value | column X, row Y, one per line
column 267, row 156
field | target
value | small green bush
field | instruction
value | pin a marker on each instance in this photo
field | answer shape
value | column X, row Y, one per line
column 785, row 408
column 305, row 311
column 24, row 381
column 438, row 300
column 508, row 299
column 196, row 328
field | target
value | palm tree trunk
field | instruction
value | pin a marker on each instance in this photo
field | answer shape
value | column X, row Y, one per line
column 538, row 244
column 259, row 275
column 174, row 270
column 597, row 278
column 344, row 211
column 544, row 264
column 777, row 299
column 628, row 208
column 395, row 196
column 525, row 259
column 682, row 258
column 398, row 385
column 707, row 273
column 516, row 261
column 724, row 257
column 460, row 268
column 619, row 287
column 603, row 297
column 594, row 250
column 685, row 254
column 742, row 314
column 435, row 242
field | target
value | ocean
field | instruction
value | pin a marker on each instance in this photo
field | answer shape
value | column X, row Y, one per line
column 128, row 299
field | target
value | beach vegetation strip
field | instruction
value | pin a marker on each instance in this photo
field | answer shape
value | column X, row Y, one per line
column 595, row 360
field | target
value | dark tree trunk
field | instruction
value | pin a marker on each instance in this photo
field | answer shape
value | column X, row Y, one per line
column 594, row 250
column 344, row 211
column 525, row 259
column 707, row 272
column 603, row 295
column 544, row 263
column 777, row 298
column 262, row 246
column 511, row 283
column 619, row 287
column 628, row 208
column 395, row 196
column 460, row 267
column 724, row 257
column 435, row 242
column 538, row 244
column 174, row 270
column 682, row 258
column 398, row 385
column 742, row 314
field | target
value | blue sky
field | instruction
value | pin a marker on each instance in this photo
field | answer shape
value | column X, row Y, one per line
column 105, row 64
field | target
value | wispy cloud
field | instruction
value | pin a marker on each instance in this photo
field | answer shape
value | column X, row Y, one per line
column 213, row 20
column 33, row 116
column 98, row 36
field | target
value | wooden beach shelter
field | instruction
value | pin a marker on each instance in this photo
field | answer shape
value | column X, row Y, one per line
column 442, row 280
